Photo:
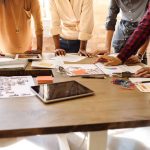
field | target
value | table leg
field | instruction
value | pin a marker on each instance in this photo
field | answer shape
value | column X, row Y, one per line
column 63, row 142
column 97, row 140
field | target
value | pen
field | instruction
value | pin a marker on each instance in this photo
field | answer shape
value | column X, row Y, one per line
column 145, row 82
column 94, row 77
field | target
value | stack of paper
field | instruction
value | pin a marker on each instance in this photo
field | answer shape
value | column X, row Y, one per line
column 82, row 69
column 109, row 70
column 143, row 84
column 16, row 86
column 13, row 64
column 47, row 64
column 70, row 58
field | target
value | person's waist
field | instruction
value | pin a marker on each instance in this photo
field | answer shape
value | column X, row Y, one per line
column 69, row 35
column 129, row 22
column 70, row 40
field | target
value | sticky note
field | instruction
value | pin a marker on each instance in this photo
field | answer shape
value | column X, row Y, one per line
column 44, row 79
column 80, row 72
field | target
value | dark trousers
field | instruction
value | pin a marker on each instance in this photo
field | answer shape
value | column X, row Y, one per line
column 70, row 46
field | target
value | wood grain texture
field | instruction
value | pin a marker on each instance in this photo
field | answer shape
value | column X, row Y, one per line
column 110, row 108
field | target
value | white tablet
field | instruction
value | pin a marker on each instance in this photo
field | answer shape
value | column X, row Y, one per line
column 29, row 56
column 50, row 93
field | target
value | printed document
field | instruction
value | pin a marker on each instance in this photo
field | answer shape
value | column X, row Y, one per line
column 13, row 64
column 143, row 84
column 70, row 58
column 82, row 69
column 16, row 86
column 47, row 63
column 109, row 70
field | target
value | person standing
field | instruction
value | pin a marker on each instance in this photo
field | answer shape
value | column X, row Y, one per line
column 131, row 13
column 15, row 26
column 139, row 36
column 71, row 25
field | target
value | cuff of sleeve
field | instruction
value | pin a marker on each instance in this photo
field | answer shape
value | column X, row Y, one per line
column 84, row 36
column 55, row 30
column 110, row 26
column 122, row 58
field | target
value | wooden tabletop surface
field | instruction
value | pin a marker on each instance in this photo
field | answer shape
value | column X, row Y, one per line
column 110, row 108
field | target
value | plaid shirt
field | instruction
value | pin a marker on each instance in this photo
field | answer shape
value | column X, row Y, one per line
column 137, row 39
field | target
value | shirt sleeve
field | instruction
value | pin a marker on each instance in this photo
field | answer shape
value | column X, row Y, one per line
column 137, row 39
column 36, row 13
column 55, row 19
column 86, row 21
column 112, row 15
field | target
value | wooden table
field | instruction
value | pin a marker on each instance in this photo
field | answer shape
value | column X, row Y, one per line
column 111, row 108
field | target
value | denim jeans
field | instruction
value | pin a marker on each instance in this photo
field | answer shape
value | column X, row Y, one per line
column 70, row 46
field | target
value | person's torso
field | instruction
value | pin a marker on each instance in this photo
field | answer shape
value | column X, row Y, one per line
column 132, row 10
column 132, row 13
column 70, row 13
column 15, row 26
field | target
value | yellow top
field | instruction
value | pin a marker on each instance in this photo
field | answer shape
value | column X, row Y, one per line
column 15, row 25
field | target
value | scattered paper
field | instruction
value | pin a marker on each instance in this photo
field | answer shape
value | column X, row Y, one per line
column 13, row 64
column 143, row 87
column 138, row 80
column 4, row 59
column 109, row 70
column 82, row 69
column 47, row 56
column 16, row 86
column 47, row 63
column 70, row 58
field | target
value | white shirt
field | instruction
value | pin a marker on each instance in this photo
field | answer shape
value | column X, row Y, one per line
column 72, row 19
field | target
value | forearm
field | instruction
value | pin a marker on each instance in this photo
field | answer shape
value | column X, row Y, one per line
column 109, row 35
column 56, row 39
column 40, row 43
column 137, row 39
column 143, row 48
column 83, row 45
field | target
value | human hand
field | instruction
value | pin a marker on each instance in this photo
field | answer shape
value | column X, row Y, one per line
column 133, row 59
column 60, row 52
column 144, row 72
column 109, row 60
column 84, row 53
column 100, row 52
column 1, row 54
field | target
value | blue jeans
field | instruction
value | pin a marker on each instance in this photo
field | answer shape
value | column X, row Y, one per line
column 70, row 46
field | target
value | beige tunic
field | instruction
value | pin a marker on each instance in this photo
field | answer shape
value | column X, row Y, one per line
column 18, row 16
column 72, row 19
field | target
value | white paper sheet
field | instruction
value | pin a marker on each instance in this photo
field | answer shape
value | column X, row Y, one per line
column 143, row 87
column 5, row 59
column 70, row 58
column 81, row 69
column 109, row 70
column 47, row 63
column 15, row 64
column 16, row 86
column 138, row 80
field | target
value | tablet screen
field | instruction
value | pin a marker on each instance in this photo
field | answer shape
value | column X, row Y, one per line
column 61, row 91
